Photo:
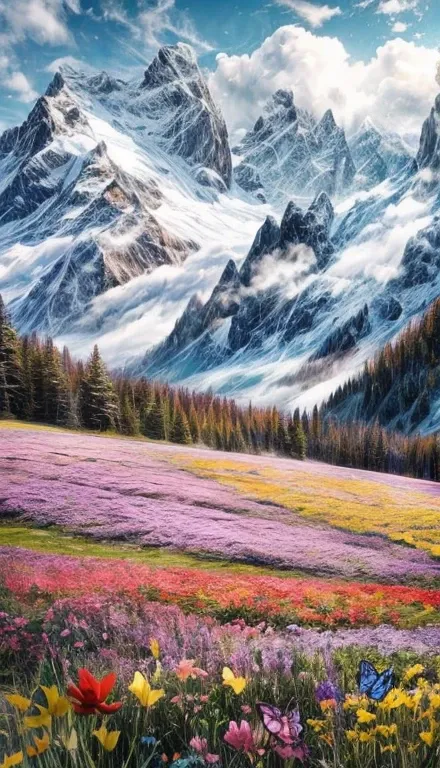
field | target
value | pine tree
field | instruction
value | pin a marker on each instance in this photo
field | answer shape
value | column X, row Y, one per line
column 180, row 431
column 11, row 383
column 194, row 424
column 98, row 407
column 154, row 422
column 298, row 441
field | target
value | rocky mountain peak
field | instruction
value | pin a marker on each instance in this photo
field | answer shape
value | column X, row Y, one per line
column 265, row 241
column 56, row 85
column 428, row 155
column 175, row 94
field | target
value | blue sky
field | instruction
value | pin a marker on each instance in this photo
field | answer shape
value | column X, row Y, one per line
column 124, row 34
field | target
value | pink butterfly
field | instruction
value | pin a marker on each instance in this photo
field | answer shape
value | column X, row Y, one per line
column 285, row 726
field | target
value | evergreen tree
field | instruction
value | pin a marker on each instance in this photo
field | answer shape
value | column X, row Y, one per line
column 180, row 431
column 298, row 441
column 98, row 408
column 11, row 392
column 154, row 423
column 194, row 424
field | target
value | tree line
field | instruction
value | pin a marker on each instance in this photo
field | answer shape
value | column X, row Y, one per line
column 39, row 382
column 398, row 386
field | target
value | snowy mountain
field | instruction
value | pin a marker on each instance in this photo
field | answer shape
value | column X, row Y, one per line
column 272, row 271
column 289, row 153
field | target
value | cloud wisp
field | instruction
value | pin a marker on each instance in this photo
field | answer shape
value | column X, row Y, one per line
column 313, row 14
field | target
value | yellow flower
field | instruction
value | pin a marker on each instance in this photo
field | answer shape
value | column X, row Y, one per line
column 154, row 648
column 11, row 760
column 366, row 736
column 143, row 691
column 364, row 717
column 43, row 720
column 19, row 702
column 386, row 730
column 398, row 698
column 388, row 748
column 238, row 684
column 427, row 737
column 70, row 740
column 354, row 702
column 57, row 706
column 108, row 739
column 411, row 672
column 434, row 700
column 317, row 725
column 352, row 735
column 40, row 745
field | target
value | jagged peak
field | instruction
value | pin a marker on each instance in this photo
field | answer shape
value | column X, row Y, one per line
column 323, row 209
column 229, row 275
column 56, row 85
column 327, row 124
column 172, row 62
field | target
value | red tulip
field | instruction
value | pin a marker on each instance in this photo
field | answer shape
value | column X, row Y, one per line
column 88, row 697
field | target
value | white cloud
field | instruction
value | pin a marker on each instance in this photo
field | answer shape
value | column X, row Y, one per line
column 396, row 88
column 393, row 7
column 152, row 21
column 315, row 15
column 399, row 27
column 44, row 21
column 69, row 61
column 20, row 85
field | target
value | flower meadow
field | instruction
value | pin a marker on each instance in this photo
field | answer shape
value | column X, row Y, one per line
column 123, row 685
column 118, row 490
column 178, row 645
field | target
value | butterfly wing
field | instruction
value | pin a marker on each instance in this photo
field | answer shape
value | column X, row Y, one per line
column 270, row 717
column 228, row 675
column 383, row 685
column 295, row 727
column 367, row 677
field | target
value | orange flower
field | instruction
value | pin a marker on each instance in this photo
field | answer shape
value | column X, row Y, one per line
column 186, row 668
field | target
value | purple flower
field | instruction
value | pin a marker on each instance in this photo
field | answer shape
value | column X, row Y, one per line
column 328, row 690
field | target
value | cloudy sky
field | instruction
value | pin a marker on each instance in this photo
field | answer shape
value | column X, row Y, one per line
column 359, row 57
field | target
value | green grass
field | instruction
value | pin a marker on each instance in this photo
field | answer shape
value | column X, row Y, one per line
column 56, row 541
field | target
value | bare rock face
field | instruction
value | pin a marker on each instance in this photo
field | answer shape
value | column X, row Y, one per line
column 192, row 126
column 428, row 155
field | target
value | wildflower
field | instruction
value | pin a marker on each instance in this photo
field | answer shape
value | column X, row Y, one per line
column 246, row 709
column 416, row 669
column 201, row 746
column 154, row 648
column 387, row 748
column 352, row 735
column 317, row 725
column 10, row 760
column 288, row 751
column 241, row 738
column 141, row 688
column 365, row 717
column 148, row 741
column 57, row 706
column 327, row 691
column 41, row 745
column 238, row 684
column 108, row 739
column 427, row 737
column 19, row 702
column 366, row 736
column 386, row 730
column 186, row 668
column 89, row 696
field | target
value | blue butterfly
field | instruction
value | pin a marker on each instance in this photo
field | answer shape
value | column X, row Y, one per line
column 375, row 685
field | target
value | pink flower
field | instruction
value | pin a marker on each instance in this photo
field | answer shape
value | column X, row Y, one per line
column 241, row 738
column 204, row 698
column 104, row 636
column 287, row 751
column 201, row 746
column 186, row 668
column 65, row 633
column 246, row 709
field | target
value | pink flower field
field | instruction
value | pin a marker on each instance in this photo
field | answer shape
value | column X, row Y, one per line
column 121, row 490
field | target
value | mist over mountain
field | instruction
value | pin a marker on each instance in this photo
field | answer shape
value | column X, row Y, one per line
column 269, row 270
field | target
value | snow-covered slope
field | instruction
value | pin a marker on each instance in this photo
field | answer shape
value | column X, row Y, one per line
column 271, row 272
